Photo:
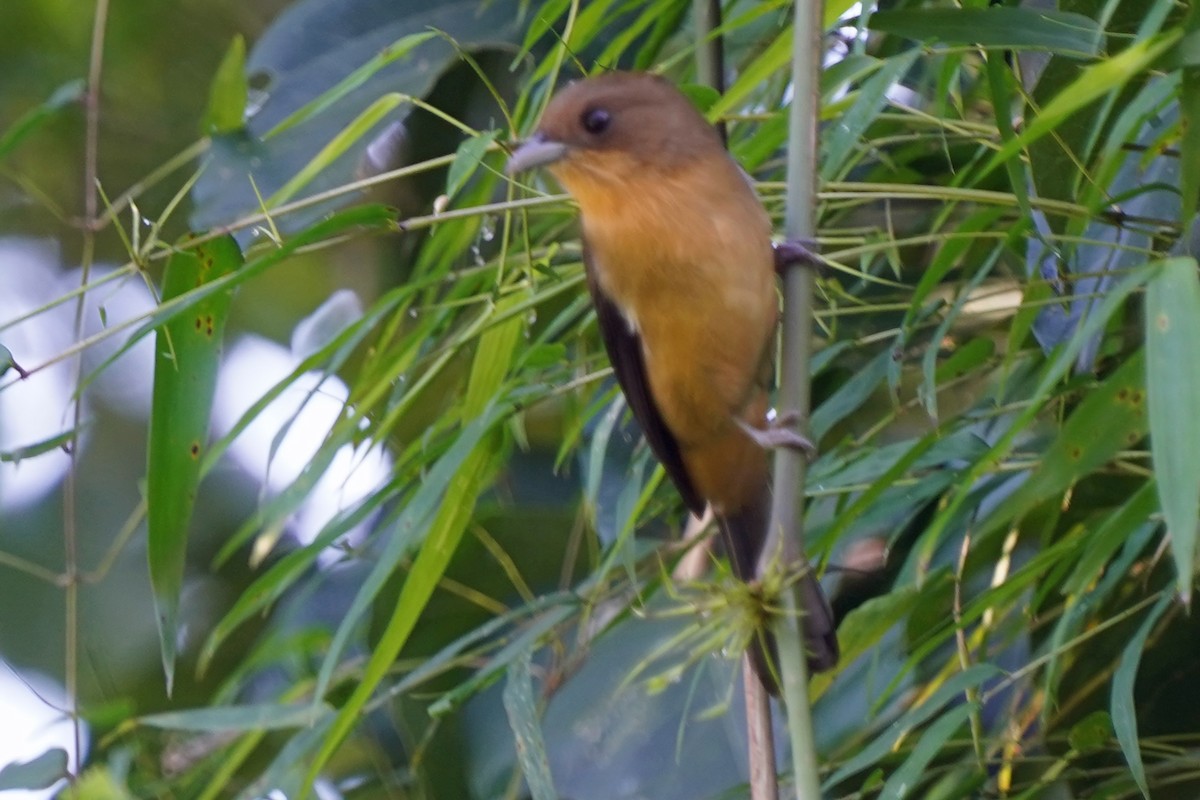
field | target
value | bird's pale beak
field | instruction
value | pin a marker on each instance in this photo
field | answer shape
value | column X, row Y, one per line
column 537, row 151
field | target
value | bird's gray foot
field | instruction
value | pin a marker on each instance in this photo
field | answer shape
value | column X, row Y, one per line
column 800, row 252
column 780, row 432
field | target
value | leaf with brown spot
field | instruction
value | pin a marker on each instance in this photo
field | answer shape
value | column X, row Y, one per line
column 1106, row 421
column 187, row 354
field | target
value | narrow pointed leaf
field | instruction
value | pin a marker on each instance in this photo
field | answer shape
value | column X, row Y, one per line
column 1060, row 32
column 521, row 708
column 488, row 371
column 187, row 354
column 914, row 770
column 16, row 133
column 1093, row 83
column 1124, row 712
column 227, row 95
column 1173, row 386
column 239, row 719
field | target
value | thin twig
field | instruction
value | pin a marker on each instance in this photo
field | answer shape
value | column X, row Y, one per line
column 764, row 785
column 70, row 529
column 710, row 51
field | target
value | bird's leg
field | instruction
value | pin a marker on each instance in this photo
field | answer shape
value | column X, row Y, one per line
column 799, row 252
column 780, row 432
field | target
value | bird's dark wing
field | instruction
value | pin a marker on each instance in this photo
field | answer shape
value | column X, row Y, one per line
column 624, row 348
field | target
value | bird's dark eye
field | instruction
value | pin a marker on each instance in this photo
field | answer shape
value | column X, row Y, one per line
column 596, row 120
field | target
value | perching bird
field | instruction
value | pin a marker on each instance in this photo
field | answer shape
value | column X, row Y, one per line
column 681, row 270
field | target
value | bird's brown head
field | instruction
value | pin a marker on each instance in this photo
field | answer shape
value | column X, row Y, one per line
column 614, row 128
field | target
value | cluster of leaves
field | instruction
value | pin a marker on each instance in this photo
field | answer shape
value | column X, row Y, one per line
column 1003, row 399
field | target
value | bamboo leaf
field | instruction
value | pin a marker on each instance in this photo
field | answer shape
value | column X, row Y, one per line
column 493, row 358
column 65, row 95
column 38, row 773
column 1093, row 83
column 466, row 160
column 845, row 133
column 1107, row 537
column 1189, row 110
column 428, row 567
column 910, row 774
column 1124, row 711
column 188, row 352
column 358, row 128
column 521, row 708
column 865, row 626
column 1110, row 418
column 951, row 690
column 322, row 65
column 227, row 95
column 17, row 454
column 1173, row 384
column 239, row 719
column 996, row 27
column 399, row 49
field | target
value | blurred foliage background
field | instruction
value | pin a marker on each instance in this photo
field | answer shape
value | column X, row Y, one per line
column 422, row 551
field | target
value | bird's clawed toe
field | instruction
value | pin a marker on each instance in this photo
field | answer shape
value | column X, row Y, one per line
column 780, row 432
column 800, row 252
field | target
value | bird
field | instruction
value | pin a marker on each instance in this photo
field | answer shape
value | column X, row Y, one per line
column 681, row 268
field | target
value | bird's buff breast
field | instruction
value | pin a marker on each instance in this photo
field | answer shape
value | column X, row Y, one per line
column 705, row 320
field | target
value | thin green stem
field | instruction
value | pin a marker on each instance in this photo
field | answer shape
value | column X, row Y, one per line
column 786, row 534
column 70, row 487
column 710, row 50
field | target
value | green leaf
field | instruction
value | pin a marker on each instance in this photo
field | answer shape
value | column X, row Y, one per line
column 463, row 477
column 1110, row 418
column 461, row 472
column 1173, row 385
column 1124, row 711
column 997, row 28
column 965, row 359
column 493, row 357
column 187, row 355
column 913, row 771
column 1093, row 83
column 774, row 58
column 67, row 94
column 850, row 395
column 323, row 65
column 1092, row 733
column 1078, row 612
column 702, row 96
column 372, row 217
column 1050, row 376
column 38, row 448
column 1109, row 535
column 525, row 639
column 951, row 689
column 1189, row 109
column 239, row 719
column 864, row 627
column 336, row 147
column 227, row 95
column 39, row 773
column 7, row 361
column 466, row 160
column 846, row 132
column 98, row 783
column 521, row 708
column 397, row 50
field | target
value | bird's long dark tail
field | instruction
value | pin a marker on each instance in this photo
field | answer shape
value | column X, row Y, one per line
column 745, row 534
